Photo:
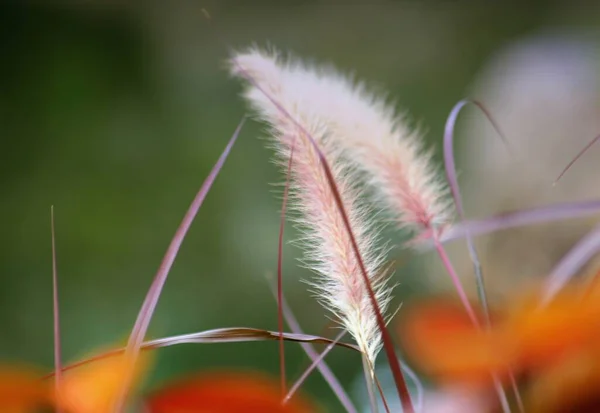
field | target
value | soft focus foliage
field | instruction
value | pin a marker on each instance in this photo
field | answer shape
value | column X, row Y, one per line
column 544, row 91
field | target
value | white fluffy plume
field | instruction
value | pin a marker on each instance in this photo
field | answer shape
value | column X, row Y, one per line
column 271, row 87
column 373, row 136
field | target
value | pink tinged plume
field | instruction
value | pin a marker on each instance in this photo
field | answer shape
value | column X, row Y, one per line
column 328, row 247
column 368, row 131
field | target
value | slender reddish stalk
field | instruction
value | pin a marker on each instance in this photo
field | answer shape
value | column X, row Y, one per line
column 455, row 280
column 313, row 365
column 280, row 272
column 386, row 338
column 145, row 315
column 576, row 158
column 322, row 366
column 55, row 312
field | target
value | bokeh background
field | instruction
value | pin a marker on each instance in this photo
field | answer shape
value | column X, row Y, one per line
column 115, row 111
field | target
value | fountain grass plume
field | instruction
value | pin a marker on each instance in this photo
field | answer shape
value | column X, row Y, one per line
column 328, row 248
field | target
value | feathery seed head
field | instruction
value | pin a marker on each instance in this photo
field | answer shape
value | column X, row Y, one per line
column 367, row 129
column 286, row 95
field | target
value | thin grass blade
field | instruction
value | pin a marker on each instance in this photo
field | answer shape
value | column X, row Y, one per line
column 145, row 315
column 55, row 311
column 215, row 336
column 280, row 270
column 322, row 366
column 450, row 167
column 575, row 159
column 571, row 263
column 539, row 215
column 313, row 365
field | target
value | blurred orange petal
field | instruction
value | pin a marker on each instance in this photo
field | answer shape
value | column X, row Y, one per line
column 442, row 339
column 567, row 324
column 94, row 388
column 21, row 391
column 225, row 393
column 528, row 337
column 570, row 386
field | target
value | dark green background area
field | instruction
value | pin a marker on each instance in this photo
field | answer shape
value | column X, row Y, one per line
column 115, row 112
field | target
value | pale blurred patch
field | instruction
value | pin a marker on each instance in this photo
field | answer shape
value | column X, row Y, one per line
column 544, row 92
column 426, row 400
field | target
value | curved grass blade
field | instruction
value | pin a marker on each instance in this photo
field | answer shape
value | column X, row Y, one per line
column 539, row 215
column 450, row 167
column 418, row 386
column 239, row 335
column 215, row 336
column 572, row 262
column 576, row 158
column 147, row 310
column 323, row 368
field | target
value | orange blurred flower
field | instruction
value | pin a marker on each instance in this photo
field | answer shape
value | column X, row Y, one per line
column 554, row 349
column 92, row 388
column 21, row 390
column 442, row 340
column 569, row 386
column 224, row 392
column 525, row 336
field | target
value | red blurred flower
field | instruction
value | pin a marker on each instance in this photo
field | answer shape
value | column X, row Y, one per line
column 224, row 392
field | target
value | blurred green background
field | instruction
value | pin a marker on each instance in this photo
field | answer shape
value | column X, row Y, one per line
column 115, row 111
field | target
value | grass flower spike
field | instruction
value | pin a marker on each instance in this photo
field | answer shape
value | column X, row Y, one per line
column 372, row 135
column 329, row 250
